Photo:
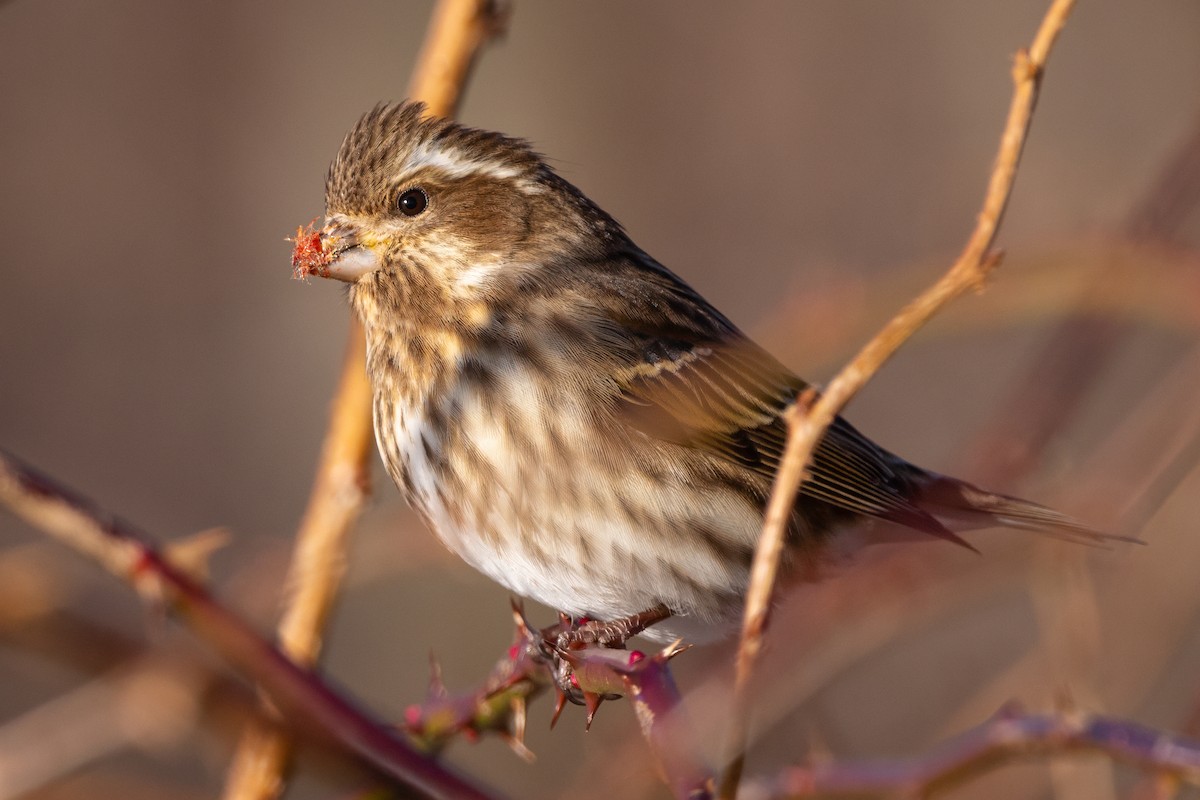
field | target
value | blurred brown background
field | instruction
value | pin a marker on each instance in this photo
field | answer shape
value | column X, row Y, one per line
column 807, row 166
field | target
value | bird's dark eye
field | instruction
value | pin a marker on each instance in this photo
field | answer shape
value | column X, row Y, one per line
column 412, row 202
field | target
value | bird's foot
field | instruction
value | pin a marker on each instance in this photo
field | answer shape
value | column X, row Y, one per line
column 577, row 634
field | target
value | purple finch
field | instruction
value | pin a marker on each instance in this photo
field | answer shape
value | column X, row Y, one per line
column 570, row 417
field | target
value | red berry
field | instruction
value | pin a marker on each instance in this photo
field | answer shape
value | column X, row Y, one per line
column 308, row 253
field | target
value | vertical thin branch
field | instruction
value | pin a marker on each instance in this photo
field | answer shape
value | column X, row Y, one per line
column 808, row 425
column 457, row 32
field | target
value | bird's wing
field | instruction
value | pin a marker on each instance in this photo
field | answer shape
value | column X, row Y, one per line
column 698, row 382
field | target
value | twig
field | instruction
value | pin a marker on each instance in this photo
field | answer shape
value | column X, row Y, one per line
column 457, row 32
column 807, row 426
column 1005, row 737
column 126, row 552
column 498, row 705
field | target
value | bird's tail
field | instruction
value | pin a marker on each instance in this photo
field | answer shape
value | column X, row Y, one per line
column 962, row 506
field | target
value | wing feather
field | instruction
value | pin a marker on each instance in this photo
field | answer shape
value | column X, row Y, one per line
column 685, row 374
column 692, row 378
column 728, row 400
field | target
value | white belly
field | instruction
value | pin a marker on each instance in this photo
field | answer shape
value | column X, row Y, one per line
column 561, row 517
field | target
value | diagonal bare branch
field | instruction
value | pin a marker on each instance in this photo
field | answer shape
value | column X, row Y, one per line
column 810, row 416
column 127, row 553
column 1005, row 737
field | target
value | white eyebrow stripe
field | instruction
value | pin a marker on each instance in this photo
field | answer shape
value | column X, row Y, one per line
column 454, row 165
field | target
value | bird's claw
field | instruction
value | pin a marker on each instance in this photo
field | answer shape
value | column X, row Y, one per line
column 580, row 633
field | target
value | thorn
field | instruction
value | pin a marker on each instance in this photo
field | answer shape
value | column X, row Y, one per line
column 437, row 687
column 592, row 700
column 192, row 553
column 518, row 708
column 560, row 702
column 673, row 649
column 522, row 752
column 515, row 737
column 523, row 633
column 519, row 618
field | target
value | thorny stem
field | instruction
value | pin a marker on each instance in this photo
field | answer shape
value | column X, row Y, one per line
column 808, row 425
column 597, row 672
column 127, row 553
column 1005, row 737
column 498, row 706
column 458, row 31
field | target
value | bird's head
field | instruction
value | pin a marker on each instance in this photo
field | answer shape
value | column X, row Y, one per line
column 420, row 204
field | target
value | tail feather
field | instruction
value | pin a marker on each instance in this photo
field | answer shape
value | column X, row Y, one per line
column 954, row 501
column 920, row 519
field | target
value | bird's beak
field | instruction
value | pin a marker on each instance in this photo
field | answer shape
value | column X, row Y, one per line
column 347, row 257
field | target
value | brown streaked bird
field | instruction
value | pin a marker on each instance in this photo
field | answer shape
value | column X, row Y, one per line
column 570, row 417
